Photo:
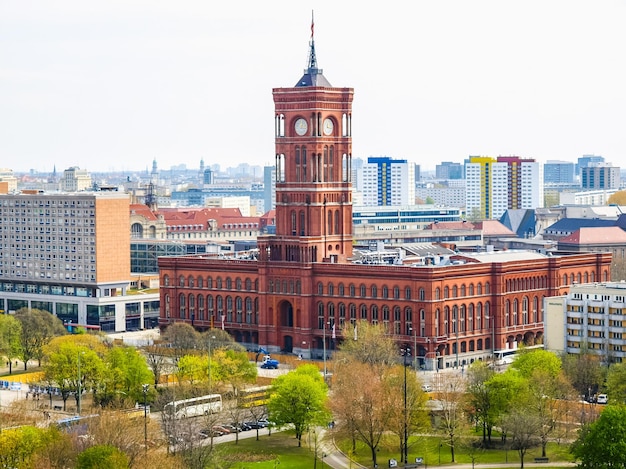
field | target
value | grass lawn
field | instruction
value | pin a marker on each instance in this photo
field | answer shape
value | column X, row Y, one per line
column 280, row 450
column 435, row 452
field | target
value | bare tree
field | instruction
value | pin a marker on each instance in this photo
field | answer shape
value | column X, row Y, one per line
column 452, row 419
column 523, row 429
column 360, row 403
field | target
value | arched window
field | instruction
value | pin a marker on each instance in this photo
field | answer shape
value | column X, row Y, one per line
column 396, row 292
column 446, row 292
column 191, row 281
column 407, row 293
column 201, row 307
column 340, row 290
column 229, row 283
column 374, row 310
column 200, row 282
column 525, row 310
column 352, row 290
column 166, row 280
column 181, row 281
column 320, row 288
column 363, row 291
column 374, row 291
column 454, row 291
column 331, row 289
column 352, row 309
column 385, row 292
column 471, row 289
column 181, row 305
column 437, row 293
column 463, row 290
column 422, row 294
column 363, row 312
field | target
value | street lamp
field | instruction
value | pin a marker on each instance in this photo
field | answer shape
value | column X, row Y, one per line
column 209, row 361
column 80, row 385
column 324, row 338
column 406, row 352
column 414, row 331
column 144, row 388
column 492, row 323
column 456, row 345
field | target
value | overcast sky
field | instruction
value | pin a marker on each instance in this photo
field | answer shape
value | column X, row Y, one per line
column 113, row 85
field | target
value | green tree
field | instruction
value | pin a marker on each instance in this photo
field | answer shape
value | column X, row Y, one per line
column 18, row 445
column 479, row 398
column 584, row 370
column 102, row 457
column 10, row 339
column 299, row 398
column 233, row 367
column 616, row 383
column 73, row 366
column 530, row 361
column 192, row 368
column 125, row 372
column 38, row 329
column 504, row 388
column 602, row 444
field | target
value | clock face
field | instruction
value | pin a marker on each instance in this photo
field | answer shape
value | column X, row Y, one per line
column 328, row 127
column 301, row 126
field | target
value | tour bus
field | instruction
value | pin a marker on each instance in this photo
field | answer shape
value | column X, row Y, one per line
column 254, row 397
column 77, row 424
column 506, row 356
column 195, row 406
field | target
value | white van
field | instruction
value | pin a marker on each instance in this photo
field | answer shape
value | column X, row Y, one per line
column 602, row 399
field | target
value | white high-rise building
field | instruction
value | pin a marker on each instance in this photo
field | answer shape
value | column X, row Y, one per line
column 385, row 181
column 508, row 182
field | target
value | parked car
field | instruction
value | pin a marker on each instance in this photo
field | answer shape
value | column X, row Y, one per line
column 427, row 388
column 602, row 399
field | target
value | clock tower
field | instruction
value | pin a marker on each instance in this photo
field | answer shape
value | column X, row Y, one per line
column 313, row 164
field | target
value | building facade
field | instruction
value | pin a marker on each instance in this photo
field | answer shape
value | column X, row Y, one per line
column 508, row 182
column 600, row 176
column 306, row 287
column 386, row 181
column 69, row 254
column 558, row 172
column 591, row 316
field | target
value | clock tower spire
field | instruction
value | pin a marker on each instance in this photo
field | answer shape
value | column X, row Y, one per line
column 313, row 164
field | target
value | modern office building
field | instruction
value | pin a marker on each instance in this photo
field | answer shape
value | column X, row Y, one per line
column 449, row 170
column 558, row 172
column 600, row 176
column 587, row 160
column 305, row 287
column 591, row 316
column 386, row 181
column 495, row 185
column 68, row 253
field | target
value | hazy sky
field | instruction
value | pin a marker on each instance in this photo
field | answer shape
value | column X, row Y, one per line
column 112, row 85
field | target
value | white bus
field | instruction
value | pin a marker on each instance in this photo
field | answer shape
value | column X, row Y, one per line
column 195, row 406
column 506, row 356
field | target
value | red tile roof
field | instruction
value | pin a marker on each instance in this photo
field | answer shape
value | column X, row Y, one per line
column 596, row 235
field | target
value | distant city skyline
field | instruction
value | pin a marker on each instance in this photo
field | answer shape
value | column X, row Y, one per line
column 111, row 86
